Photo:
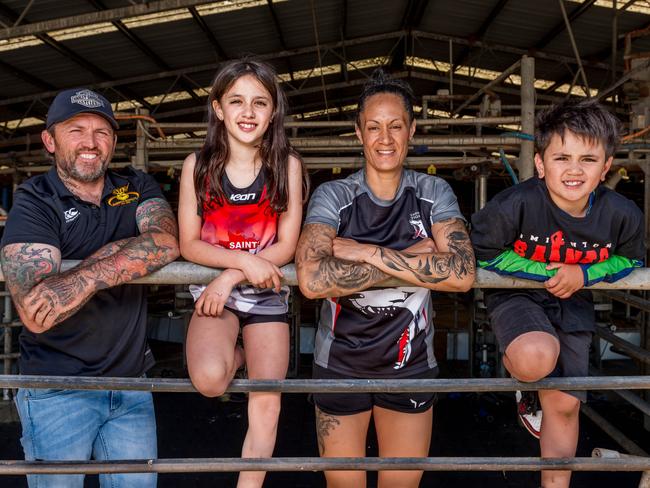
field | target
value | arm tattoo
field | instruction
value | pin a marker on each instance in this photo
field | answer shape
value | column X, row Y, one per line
column 25, row 265
column 325, row 423
column 436, row 267
column 155, row 215
column 32, row 270
column 326, row 275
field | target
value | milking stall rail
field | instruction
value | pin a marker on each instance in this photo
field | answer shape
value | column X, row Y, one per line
column 183, row 273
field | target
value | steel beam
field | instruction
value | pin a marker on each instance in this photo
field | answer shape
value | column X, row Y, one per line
column 110, row 15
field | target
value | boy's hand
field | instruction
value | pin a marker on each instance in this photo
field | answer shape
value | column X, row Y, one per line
column 567, row 281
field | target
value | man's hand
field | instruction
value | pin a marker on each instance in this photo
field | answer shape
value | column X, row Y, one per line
column 351, row 250
column 214, row 297
column 567, row 281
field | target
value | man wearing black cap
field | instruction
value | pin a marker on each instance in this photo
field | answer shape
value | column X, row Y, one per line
column 85, row 321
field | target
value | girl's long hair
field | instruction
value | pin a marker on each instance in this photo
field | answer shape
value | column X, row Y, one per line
column 274, row 149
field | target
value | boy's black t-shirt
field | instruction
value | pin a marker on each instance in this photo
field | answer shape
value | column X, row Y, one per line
column 525, row 219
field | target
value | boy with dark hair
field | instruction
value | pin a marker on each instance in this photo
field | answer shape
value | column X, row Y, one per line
column 567, row 231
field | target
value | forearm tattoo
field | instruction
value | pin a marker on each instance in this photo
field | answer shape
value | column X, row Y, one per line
column 325, row 423
column 32, row 270
column 326, row 274
column 26, row 264
column 436, row 267
column 139, row 257
column 155, row 215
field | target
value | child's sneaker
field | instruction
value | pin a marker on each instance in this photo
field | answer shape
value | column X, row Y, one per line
column 529, row 412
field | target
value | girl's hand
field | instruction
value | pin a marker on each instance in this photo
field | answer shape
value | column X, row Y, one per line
column 262, row 273
column 567, row 281
column 214, row 297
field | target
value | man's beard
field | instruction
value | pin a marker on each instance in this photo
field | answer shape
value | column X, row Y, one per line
column 68, row 167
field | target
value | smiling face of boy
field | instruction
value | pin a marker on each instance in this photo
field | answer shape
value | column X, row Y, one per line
column 572, row 167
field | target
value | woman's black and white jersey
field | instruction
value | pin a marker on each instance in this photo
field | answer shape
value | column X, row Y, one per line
column 380, row 332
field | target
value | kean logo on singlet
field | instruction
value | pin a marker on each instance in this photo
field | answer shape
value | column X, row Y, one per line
column 242, row 197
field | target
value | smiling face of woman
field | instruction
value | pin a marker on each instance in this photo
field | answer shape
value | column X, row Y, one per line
column 385, row 131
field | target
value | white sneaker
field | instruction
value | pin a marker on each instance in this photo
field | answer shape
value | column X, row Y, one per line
column 529, row 412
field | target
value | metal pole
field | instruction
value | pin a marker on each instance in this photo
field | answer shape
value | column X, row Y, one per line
column 182, row 272
column 575, row 47
column 453, row 385
column 599, row 452
column 626, row 347
column 485, row 88
column 213, row 465
column 141, row 156
column 6, row 320
column 525, row 164
column 614, row 39
column 612, row 431
column 345, row 124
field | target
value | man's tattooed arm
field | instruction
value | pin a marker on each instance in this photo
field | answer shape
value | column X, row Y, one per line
column 49, row 298
column 321, row 275
column 450, row 268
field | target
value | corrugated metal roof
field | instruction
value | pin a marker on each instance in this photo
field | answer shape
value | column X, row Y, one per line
column 182, row 45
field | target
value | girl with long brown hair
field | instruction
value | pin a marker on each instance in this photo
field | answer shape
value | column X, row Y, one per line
column 240, row 209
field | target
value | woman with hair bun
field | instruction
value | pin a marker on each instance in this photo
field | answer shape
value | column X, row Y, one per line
column 382, row 222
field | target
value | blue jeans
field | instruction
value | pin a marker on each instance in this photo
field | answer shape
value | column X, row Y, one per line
column 84, row 424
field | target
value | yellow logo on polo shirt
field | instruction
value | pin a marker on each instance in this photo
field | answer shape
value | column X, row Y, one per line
column 121, row 196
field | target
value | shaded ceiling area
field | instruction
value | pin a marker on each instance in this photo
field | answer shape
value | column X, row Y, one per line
column 162, row 55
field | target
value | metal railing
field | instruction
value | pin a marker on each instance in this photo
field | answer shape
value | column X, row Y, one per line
column 183, row 273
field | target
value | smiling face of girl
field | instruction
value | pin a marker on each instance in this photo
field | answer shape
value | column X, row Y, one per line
column 246, row 110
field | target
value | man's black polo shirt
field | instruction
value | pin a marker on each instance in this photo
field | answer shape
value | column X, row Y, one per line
column 107, row 336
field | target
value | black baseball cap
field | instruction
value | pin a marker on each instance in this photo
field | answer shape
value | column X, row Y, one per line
column 69, row 103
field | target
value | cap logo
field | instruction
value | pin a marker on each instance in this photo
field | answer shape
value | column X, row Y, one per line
column 87, row 99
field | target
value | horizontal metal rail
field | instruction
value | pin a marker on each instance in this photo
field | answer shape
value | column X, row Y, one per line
column 626, row 347
column 212, row 465
column 621, row 463
column 290, row 123
column 183, row 273
column 637, row 302
column 455, row 385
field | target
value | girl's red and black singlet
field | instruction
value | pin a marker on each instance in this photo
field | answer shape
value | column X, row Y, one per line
column 244, row 222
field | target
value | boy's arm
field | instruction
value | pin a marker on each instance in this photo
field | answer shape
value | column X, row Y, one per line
column 510, row 263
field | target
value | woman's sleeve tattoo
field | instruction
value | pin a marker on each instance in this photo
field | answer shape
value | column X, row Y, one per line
column 327, row 274
column 437, row 267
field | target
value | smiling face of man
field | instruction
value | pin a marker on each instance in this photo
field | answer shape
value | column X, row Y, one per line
column 82, row 146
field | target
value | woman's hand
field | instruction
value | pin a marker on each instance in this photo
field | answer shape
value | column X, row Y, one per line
column 423, row 246
column 351, row 250
column 261, row 273
column 214, row 297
